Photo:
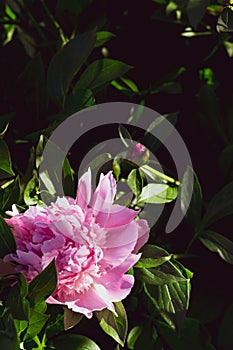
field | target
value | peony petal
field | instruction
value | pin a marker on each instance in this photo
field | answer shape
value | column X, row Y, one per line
column 84, row 191
column 143, row 234
column 104, row 194
column 119, row 244
column 121, row 236
column 95, row 299
column 118, row 286
column 117, row 215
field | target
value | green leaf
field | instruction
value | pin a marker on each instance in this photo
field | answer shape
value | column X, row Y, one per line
column 158, row 193
column 115, row 326
column 196, row 10
column 116, row 167
column 31, row 192
column 130, row 84
column 102, row 37
column 32, row 82
column 225, row 339
column 168, row 287
column 20, row 325
column 7, row 241
column 135, row 181
column 226, row 159
column 149, row 262
column 152, row 256
column 192, row 336
column 221, row 205
column 16, row 299
column 9, row 194
column 5, row 119
column 218, row 244
column 68, row 179
column 66, row 63
column 43, row 285
column 8, row 336
column 125, row 136
column 75, row 342
column 5, row 161
column 229, row 48
column 209, row 106
column 125, row 85
column 71, row 318
column 77, row 100
column 148, row 339
column 101, row 72
column 225, row 21
column 194, row 209
column 133, row 336
column 36, row 323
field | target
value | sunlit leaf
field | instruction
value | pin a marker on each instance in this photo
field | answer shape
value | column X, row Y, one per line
column 158, row 193
column 115, row 326
column 20, row 325
column 225, row 20
column 152, row 256
column 102, row 37
column 133, row 336
column 9, row 194
column 31, row 192
column 36, row 323
column 135, row 181
column 168, row 287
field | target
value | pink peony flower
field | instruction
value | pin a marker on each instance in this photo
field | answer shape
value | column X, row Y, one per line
column 94, row 243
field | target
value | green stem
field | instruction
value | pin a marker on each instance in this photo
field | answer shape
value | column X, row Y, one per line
column 184, row 256
column 37, row 341
column 191, row 242
column 160, row 175
column 55, row 23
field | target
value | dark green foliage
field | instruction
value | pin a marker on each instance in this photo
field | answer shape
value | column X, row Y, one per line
column 60, row 57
